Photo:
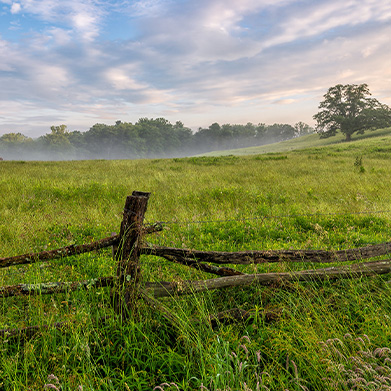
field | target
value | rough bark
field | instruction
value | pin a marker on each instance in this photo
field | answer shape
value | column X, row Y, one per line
column 164, row 289
column 70, row 250
column 241, row 257
column 54, row 287
column 220, row 271
column 58, row 253
column 128, row 268
column 248, row 257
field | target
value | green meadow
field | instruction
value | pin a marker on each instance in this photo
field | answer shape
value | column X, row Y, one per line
column 303, row 194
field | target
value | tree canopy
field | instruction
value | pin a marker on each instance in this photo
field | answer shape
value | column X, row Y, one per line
column 349, row 109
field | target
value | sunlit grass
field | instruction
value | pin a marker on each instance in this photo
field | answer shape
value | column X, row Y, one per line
column 315, row 198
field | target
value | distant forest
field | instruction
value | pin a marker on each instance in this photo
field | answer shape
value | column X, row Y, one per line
column 147, row 138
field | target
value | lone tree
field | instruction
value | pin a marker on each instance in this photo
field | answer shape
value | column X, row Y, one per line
column 348, row 108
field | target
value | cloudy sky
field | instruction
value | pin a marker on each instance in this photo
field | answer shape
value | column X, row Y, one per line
column 81, row 62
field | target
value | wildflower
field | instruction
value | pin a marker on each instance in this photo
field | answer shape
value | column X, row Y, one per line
column 53, row 377
column 359, row 380
column 380, row 369
column 341, row 367
column 366, row 337
column 359, row 339
column 323, row 345
column 246, row 338
column 161, row 387
column 295, row 368
column 244, row 348
column 51, row 387
column 359, row 370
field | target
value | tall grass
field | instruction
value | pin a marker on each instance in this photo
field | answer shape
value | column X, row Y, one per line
column 313, row 336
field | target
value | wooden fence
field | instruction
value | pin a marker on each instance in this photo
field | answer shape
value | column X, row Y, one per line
column 128, row 246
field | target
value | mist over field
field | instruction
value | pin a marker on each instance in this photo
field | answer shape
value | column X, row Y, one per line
column 147, row 138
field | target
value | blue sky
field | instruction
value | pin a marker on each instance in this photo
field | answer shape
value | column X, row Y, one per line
column 81, row 62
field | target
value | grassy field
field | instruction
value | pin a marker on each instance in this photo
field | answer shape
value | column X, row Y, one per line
column 309, row 141
column 323, row 336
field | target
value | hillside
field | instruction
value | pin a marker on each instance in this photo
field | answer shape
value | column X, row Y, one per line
column 304, row 142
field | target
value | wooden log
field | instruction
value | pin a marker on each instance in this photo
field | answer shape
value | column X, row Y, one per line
column 73, row 249
column 152, row 228
column 220, row 271
column 128, row 268
column 241, row 257
column 164, row 289
column 54, row 287
column 256, row 257
column 114, row 249
column 58, row 253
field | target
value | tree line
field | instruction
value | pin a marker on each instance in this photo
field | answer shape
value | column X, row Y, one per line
column 147, row 138
column 346, row 108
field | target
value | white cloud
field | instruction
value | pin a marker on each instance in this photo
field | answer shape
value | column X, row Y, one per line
column 84, row 16
column 149, row 8
column 325, row 17
column 53, row 78
column 15, row 8
column 120, row 80
column 59, row 36
column 284, row 101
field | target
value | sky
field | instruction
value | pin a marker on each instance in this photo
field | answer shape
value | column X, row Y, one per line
column 82, row 62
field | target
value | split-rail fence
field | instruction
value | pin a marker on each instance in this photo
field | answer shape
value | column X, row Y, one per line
column 127, row 288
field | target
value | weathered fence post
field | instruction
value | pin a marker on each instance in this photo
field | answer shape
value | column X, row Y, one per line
column 128, row 268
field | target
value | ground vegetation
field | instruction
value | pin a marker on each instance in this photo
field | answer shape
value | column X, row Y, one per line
column 332, row 335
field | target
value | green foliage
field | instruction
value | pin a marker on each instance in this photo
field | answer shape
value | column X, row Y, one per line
column 303, row 129
column 358, row 164
column 15, row 143
column 348, row 109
